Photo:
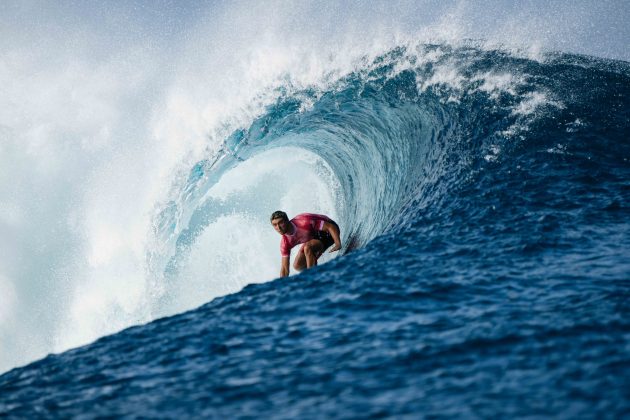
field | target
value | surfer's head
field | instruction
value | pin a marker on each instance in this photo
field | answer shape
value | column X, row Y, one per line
column 280, row 222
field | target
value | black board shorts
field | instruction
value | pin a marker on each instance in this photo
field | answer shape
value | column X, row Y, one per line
column 326, row 237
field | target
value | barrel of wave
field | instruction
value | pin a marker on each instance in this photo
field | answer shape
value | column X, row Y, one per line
column 239, row 246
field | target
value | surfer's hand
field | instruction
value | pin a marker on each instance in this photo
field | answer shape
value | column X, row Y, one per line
column 335, row 248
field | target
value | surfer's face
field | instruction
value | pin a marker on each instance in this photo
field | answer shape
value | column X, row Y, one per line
column 280, row 225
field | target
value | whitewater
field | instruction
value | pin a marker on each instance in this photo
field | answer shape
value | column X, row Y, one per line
column 475, row 157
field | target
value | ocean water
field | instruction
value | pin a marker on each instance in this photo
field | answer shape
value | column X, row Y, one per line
column 482, row 194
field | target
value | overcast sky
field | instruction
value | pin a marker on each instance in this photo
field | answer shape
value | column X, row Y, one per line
column 597, row 28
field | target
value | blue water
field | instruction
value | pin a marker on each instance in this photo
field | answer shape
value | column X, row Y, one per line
column 485, row 269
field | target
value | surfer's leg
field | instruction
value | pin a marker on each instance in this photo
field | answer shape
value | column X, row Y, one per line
column 300, row 260
column 312, row 251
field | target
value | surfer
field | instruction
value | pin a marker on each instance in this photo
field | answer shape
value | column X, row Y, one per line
column 315, row 232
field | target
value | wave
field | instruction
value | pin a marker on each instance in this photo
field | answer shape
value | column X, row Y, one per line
column 482, row 198
column 392, row 137
column 92, row 136
column 381, row 144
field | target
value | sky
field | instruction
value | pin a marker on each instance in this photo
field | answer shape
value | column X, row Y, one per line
column 595, row 28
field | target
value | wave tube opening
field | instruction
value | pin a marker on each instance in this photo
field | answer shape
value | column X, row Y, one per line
column 228, row 241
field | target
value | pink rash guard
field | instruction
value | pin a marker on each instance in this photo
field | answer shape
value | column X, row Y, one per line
column 306, row 226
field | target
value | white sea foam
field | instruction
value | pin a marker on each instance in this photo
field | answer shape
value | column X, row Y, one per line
column 496, row 84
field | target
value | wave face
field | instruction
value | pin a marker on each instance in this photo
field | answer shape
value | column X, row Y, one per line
column 483, row 201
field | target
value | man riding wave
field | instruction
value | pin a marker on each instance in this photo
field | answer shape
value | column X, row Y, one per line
column 315, row 232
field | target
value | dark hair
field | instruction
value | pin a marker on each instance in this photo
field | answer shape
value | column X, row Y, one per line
column 279, row 214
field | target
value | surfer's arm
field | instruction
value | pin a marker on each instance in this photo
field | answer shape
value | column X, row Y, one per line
column 333, row 230
column 284, row 268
